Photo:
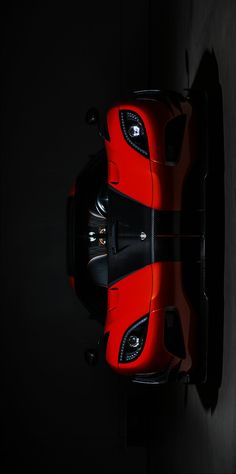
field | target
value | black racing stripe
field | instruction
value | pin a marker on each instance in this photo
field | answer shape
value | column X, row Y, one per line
column 170, row 236
column 127, row 253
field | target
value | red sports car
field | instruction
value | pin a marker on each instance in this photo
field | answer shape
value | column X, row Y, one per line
column 136, row 235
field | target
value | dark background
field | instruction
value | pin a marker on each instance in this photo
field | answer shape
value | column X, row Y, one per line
column 56, row 61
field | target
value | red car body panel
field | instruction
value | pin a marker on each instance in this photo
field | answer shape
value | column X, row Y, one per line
column 142, row 179
column 156, row 184
column 149, row 290
column 156, row 287
column 128, row 171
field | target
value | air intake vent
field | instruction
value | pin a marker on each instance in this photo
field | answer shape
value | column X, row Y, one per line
column 174, row 138
column 173, row 333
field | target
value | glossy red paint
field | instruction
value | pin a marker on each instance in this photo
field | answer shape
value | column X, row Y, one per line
column 142, row 179
column 128, row 300
column 149, row 290
column 152, row 289
column 155, row 287
column 128, row 170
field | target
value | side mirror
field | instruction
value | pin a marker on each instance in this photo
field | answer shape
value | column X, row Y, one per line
column 92, row 117
column 91, row 356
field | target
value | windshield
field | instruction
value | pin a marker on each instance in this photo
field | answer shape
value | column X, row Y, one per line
column 90, row 235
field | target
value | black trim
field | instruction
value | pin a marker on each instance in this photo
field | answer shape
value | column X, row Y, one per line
column 143, row 149
column 155, row 378
column 92, row 294
column 169, row 98
column 127, row 253
column 170, row 236
column 174, row 134
column 169, row 374
column 140, row 327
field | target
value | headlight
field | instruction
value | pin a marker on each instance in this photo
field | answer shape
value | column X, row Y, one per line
column 134, row 131
column 133, row 341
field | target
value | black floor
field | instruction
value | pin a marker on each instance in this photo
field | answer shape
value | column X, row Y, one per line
column 59, row 414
